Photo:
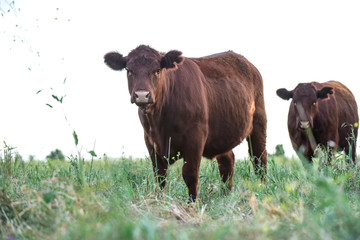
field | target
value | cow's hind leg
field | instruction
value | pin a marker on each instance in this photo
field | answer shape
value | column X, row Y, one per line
column 257, row 142
column 226, row 163
column 351, row 145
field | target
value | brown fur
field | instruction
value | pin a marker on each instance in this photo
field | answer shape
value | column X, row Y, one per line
column 330, row 119
column 198, row 107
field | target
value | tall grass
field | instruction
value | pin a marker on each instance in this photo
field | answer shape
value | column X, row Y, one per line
column 119, row 199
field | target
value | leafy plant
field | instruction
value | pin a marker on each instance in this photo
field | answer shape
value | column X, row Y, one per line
column 56, row 155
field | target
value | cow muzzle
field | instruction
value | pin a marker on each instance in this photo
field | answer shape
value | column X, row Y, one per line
column 304, row 124
column 142, row 98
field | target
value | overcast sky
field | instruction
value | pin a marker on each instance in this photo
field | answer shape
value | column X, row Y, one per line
column 47, row 43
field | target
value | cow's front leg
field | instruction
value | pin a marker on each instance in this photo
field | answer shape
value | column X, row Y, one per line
column 226, row 163
column 190, row 172
column 331, row 149
column 332, row 146
column 193, row 150
column 309, row 153
column 305, row 152
column 160, row 165
column 160, row 168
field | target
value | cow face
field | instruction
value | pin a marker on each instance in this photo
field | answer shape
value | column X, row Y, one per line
column 305, row 102
column 145, row 67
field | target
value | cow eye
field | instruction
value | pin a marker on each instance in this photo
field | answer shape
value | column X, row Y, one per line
column 157, row 72
column 129, row 72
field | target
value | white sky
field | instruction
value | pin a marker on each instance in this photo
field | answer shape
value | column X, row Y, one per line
column 288, row 41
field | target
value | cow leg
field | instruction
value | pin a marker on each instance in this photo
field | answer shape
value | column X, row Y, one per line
column 307, row 151
column 257, row 142
column 347, row 141
column 308, row 154
column 330, row 153
column 353, row 151
column 226, row 168
column 352, row 140
column 160, row 165
column 160, row 168
column 190, row 171
column 354, row 145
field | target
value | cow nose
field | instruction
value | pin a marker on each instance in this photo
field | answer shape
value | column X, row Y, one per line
column 142, row 97
column 304, row 124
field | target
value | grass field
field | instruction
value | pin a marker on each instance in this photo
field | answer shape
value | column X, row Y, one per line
column 118, row 199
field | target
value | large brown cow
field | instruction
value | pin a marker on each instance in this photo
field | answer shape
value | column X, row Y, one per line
column 322, row 113
column 194, row 107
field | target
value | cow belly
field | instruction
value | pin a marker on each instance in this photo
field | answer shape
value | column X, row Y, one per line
column 224, row 138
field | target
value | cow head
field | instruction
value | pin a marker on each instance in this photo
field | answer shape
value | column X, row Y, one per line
column 305, row 98
column 144, row 67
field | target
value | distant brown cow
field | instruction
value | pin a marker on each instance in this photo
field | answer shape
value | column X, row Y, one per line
column 193, row 107
column 322, row 113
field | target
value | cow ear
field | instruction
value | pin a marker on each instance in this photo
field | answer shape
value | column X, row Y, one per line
column 170, row 58
column 115, row 61
column 284, row 94
column 323, row 93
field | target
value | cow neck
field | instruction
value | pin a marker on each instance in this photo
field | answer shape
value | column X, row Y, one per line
column 153, row 118
column 163, row 87
column 164, row 90
column 144, row 110
column 151, row 113
column 308, row 137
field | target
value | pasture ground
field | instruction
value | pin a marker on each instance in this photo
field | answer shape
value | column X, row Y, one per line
column 119, row 199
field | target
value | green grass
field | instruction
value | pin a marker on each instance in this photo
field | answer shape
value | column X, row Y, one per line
column 118, row 199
